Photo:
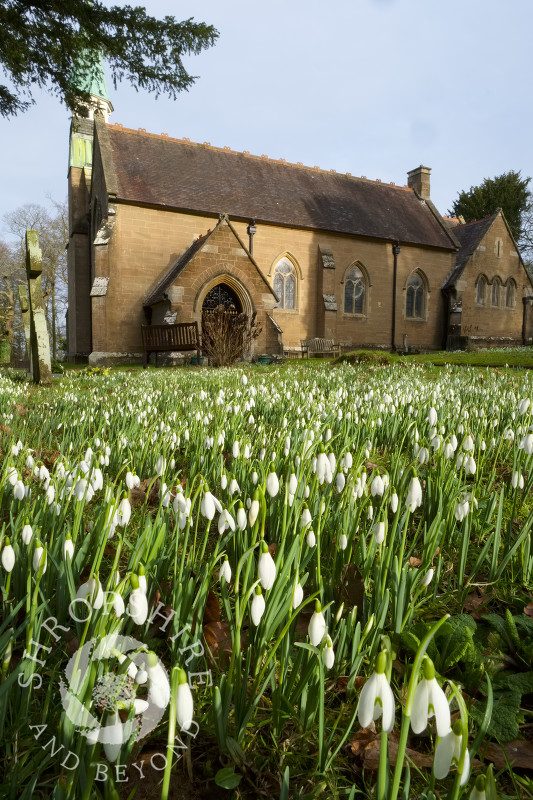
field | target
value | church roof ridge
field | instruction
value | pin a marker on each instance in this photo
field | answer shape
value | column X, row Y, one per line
column 226, row 149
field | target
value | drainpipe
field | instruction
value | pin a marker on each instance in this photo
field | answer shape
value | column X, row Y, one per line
column 251, row 230
column 395, row 252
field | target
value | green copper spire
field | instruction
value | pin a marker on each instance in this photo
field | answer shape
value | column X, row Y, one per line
column 89, row 76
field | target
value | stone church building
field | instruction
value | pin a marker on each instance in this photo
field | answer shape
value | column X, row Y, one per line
column 162, row 229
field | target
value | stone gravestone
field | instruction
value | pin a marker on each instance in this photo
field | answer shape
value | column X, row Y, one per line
column 40, row 345
column 25, row 314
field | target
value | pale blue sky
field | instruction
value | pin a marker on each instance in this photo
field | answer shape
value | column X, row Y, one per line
column 371, row 87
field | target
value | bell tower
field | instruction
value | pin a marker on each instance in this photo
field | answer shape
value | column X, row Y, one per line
column 88, row 78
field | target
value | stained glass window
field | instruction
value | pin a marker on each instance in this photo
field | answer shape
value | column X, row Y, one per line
column 285, row 284
column 354, row 292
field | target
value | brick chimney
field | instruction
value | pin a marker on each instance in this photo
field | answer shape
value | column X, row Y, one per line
column 418, row 179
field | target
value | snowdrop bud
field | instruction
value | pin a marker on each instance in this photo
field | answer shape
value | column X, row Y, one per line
column 310, row 538
column 225, row 571
column 317, row 625
column 266, row 568
column 68, row 547
column 306, row 518
column 29, row 461
column 12, row 476
column 343, row 541
column 254, row 509
column 258, row 606
column 18, row 490
column 378, row 532
column 223, row 481
column 329, row 655
column 160, row 465
column 235, row 449
column 8, row 556
column 114, row 737
column 428, row 577
column 298, row 596
column 432, row 417
column 272, row 482
column 38, row 556
column 370, row 512
column 241, row 517
column 27, row 533
column 158, row 684
column 207, row 506
column 119, row 608
column 514, row 479
column 130, row 481
column 255, row 478
column 138, row 604
column 394, row 502
column 184, row 701
column 306, row 492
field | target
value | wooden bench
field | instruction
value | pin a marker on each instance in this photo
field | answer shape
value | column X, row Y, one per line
column 180, row 337
column 319, row 347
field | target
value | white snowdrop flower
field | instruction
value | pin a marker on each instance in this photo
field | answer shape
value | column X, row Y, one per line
column 233, row 487
column 348, row 461
column 298, row 596
column 514, row 479
column 478, row 792
column 160, row 465
column 266, row 568
column 93, row 592
column 469, row 465
column 18, row 490
column 44, row 475
column 12, row 475
column 508, row 435
column 68, row 548
column 370, row 512
column 255, row 478
column 307, row 491
column 376, row 698
column 317, row 625
column 158, row 683
column 293, row 484
column 468, row 443
column 29, row 461
column 241, row 518
column 423, row 455
column 272, row 482
column 378, row 532
column 414, row 494
column 138, row 603
column 223, row 481
column 432, row 417
column 179, row 502
column 306, row 518
column 332, row 465
column 523, row 406
column 526, row 444
column 209, row 505
column 435, row 443
column 123, row 514
column 80, row 488
column 343, row 541
column 429, row 700
column 97, row 479
column 483, row 445
column 244, row 379
column 225, row 521
column 225, row 571
column 164, row 494
column 448, row 752
column 253, row 511
column 113, row 734
column 448, row 450
column 50, row 494
column 394, row 502
column 453, row 441
column 287, row 448
column 310, row 538
column 27, row 533
column 377, row 487
column 461, row 509
column 184, row 701
column 428, row 577
column 235, row 450
column 258, row 606
column 329, row 654
column 38, row 556
column 8, row 556
column 119, row 607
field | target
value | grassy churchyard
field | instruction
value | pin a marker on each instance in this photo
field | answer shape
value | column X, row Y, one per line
column 311, row 580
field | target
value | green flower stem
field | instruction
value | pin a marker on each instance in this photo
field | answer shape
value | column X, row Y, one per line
column 171, row 731
column 406, row 717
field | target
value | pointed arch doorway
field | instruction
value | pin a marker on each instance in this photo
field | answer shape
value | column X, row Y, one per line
column 222, row 295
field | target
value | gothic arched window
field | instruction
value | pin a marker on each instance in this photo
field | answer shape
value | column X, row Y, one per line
column 285, row 283
column 481, row 293
column 496, row 291
column 415, row 297
column 354, row 292
column 510, row 293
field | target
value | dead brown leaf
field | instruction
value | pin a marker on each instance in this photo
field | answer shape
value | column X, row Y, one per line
column 212, row 608
column 366, row 746
column 415, row 562
column 519, row 754
column 351, row 591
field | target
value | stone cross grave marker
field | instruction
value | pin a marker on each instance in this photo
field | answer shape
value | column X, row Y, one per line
column 40, row 346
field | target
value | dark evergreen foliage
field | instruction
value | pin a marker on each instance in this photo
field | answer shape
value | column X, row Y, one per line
column 43, row 44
